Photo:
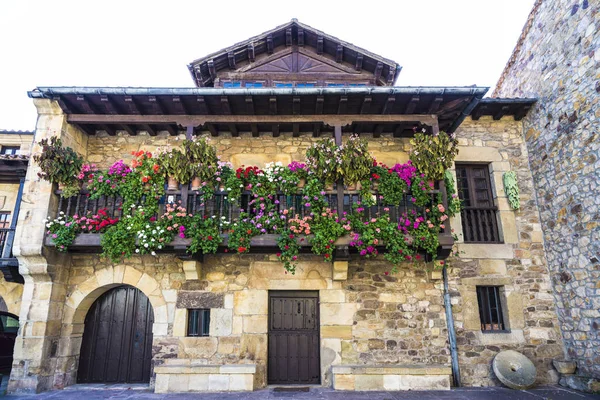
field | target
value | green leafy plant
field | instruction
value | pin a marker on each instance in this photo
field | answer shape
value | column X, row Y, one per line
column 356, row 160
column 288, row 241
column 62, row 231
column 327, row 228
column 324, row 160
column 454, row 203
column 202, row 159
column 205, row 235
column 433, row 154
column 511, row 188
column 58, row 164
column 175, row 164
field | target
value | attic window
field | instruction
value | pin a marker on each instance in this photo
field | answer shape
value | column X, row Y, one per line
column 305, row 85
column 284, row 84
column 254, row 84
column 234, row 84
column 357, row 84
column 329, row 84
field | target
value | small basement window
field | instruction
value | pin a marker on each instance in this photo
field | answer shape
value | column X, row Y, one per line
column 490, row 309
column 198, row 322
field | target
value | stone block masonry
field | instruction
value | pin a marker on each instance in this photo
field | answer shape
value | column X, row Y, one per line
column 558, row 61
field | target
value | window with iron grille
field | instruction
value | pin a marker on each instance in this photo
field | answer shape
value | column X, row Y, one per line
column 198, row 322
column 10, row 150
column 478, row 214
column 490, row 309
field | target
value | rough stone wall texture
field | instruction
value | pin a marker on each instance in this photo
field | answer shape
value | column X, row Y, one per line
column 518, row 264
column 558, row 61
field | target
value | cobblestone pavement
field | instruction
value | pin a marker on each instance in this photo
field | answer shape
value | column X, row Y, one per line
column 91, row 392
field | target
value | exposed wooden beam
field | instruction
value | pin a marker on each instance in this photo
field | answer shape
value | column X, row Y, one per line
column 155, row 105
column 522, row 112
column 316, row 130
column 251, row 55
column 234, row 130
column 339, row 53
column 83, row 103
column 273, row 105
column 398, row 130
column 86, row 129
column 366, row 105
column 108, row 104
column 225, row 105
column 435, row 104
column 300, row 37
column 295, row 130
column 342, row 105
column 288, row 37
column 378, row 70
column 359, row 62
column 378, row 130
column 173, row 131
column 211, row 69
column 64, row 105
column 179, row 105
column 296, row 105
column 275, row 129
column 148, row 128
column 109, row 129
column 320, row 45
column 319, row 105
column 202, row 105
column 478, row 112
column 389, row 105
column 270, row 44
column 390, row 76
column 412, row 105
column 249, row 105
column 231, row 59
column 212, row 129
column 131, row 105
column 254, row 129
column 501, row 113
column 128, row 129
column 196, row 120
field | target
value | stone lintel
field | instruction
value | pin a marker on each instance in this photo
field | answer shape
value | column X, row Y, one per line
column 200, row 300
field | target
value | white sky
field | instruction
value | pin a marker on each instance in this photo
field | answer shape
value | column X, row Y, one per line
column 149, row 43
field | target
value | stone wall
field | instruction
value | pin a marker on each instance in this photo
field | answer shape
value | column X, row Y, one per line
column 518, row 264
column 105, row 150
column 10, row 296
column 557, row 60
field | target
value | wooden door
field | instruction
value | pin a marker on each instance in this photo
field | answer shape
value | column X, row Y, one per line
column 294, row 338
column 117, row 339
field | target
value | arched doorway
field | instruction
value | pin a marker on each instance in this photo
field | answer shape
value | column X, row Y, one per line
column 117, row 339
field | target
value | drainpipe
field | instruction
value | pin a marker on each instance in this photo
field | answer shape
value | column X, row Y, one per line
column 451, row 332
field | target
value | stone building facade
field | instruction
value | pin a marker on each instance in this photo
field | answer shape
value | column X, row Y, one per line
column 375, row 330
column 557, row 60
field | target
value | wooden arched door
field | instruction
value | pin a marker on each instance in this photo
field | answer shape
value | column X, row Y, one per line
column 117, row 339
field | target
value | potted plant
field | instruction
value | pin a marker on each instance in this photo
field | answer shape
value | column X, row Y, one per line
column 433, row 154
column 356, row 161
column 324, row 160
column 298, row 169
column 176, row 166
column 61, row 165
column 202, row 160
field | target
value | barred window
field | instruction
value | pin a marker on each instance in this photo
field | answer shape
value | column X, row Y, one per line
column 198, row 322
column 490, row 309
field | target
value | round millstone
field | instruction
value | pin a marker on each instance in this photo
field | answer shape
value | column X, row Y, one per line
column 514, row 369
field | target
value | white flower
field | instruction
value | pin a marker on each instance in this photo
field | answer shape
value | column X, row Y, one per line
column 159, row 246
column 137, row 250
column 48, row 225
column 146, row 245
column 62, row 222
column 153, row 253
column 62, row 213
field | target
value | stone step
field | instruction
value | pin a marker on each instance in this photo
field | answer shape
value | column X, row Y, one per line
column 391, row 377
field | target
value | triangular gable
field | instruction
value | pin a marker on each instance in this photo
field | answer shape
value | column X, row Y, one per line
column 317, row 53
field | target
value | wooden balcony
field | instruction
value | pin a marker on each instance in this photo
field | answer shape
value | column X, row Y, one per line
column 219, row 206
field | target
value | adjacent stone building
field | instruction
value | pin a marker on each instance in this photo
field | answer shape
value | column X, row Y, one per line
column 557, row 60
column 268, row 99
